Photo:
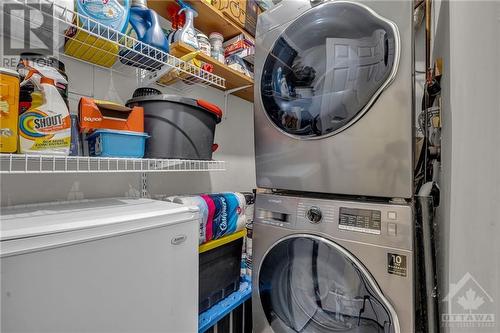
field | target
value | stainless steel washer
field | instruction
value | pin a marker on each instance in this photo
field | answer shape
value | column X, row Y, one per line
column 332, row 266
column 333, row 97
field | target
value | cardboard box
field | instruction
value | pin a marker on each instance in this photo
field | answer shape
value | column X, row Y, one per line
column 242, row 12
column 97, row 114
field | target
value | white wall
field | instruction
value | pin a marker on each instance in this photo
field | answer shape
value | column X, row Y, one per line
column 234, row 136
column 467, row 36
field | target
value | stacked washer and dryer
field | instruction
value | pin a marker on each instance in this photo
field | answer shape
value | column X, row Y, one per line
column 333, row 232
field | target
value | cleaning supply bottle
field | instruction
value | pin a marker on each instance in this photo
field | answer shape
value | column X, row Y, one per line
column 146, row 24
column 187, row 34
column 111, row 13
column 89, row 46
column 45, row 128
column 9, row 99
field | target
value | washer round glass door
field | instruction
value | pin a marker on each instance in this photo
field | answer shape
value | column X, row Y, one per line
column 327, row 68
column 309, row 284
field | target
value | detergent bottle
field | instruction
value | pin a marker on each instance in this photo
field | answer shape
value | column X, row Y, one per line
column 111, row 13
column 146, row 24
column 89, row 46
column 187, row 34
column 46, row 127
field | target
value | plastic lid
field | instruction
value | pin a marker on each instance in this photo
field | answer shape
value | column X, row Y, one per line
column 139, row 3
column 199, row 103
column 10, row 72
column 210, row 107
column 42, row 59
column 117, row 132
column 47, row 80
column 200, row 34
column 146, row 91
column 216, row 35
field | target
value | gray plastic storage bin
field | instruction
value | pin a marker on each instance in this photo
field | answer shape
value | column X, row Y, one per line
column 179, row 127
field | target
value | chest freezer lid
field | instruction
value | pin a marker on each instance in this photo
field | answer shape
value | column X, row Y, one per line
column 25, row 221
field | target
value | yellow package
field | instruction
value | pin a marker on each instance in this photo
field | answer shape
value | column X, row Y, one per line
column 82, row 45
column 9, row 110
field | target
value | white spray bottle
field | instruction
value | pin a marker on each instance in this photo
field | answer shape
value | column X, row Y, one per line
column 187, row 34
column 45, row 128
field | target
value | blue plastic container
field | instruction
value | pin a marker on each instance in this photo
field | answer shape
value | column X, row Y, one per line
column 109, row 143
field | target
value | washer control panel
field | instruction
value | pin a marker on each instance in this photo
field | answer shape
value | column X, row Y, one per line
column 378, row 223
column 314, row 215
column 362, row 220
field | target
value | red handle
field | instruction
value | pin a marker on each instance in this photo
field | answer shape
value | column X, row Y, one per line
column 210, row 107
column 215, row 147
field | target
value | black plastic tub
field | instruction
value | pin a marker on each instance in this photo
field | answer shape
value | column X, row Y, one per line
column 220, row 270
column 179, row 127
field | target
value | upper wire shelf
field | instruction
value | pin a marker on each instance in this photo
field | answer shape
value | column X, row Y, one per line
column 92, row 42
column 47, row 164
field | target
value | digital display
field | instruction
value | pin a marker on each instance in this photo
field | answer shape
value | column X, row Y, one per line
column 362, row 220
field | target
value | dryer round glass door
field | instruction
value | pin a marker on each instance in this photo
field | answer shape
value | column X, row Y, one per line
column 309, row 284
column 327, row 68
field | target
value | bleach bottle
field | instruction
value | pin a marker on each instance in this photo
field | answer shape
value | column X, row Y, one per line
column 45, row 128
column 146, row 24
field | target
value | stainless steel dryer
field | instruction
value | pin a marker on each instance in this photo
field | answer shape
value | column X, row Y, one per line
column 333, row 97
column 332, row 266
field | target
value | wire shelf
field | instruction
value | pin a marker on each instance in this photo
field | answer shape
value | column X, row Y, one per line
column 47, row 164
column 89, row 41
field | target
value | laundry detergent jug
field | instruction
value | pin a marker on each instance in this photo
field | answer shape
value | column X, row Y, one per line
column 111, row 13
column 146, row 28
column 45, row 128
column 91, row 47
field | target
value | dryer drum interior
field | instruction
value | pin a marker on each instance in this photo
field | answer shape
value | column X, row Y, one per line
column 327, row 68
column 313, row 285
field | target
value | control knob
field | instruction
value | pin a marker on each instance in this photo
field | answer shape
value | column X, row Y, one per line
column 314, row 214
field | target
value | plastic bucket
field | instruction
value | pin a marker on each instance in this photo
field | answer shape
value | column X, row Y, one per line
column 180, row 128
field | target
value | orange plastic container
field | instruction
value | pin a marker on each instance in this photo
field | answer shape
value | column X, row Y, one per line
column 9, row 110
column 98, row 114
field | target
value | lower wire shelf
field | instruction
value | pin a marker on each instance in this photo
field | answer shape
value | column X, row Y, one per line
column 41, row 164
column 210, row 317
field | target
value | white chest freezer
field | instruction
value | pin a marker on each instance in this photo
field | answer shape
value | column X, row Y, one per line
column 108, row 265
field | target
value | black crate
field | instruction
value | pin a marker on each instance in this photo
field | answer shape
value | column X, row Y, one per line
column 220, row 270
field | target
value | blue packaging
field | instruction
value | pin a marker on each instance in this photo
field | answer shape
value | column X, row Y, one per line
column 109, row 143
column 225, row 219
column 111, row 13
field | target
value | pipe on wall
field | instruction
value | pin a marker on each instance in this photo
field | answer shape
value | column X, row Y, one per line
column 426, row 205
column 428, row 8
